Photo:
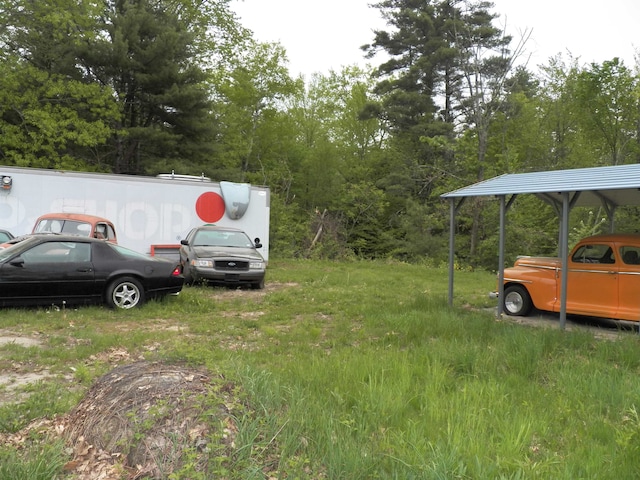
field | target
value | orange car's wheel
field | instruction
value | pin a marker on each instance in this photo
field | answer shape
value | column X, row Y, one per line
column 517, row 301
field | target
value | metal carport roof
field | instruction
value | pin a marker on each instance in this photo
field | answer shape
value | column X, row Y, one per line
column 616, row 185
column 609, row 187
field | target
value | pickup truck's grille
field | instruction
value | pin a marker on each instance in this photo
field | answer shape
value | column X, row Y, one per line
column 231, row 265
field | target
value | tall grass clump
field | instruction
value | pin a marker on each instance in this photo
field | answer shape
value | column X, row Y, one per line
column 39, row 461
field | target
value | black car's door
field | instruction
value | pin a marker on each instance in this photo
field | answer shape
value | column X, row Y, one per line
column 49, row 271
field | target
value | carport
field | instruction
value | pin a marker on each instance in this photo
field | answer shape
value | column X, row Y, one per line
column 607, row 187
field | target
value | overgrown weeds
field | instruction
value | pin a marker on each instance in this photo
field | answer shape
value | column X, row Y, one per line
column 361, row 370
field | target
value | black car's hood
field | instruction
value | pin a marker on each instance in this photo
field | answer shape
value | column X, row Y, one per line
column 226, row 252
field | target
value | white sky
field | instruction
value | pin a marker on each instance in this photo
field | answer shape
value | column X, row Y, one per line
column 327, row 34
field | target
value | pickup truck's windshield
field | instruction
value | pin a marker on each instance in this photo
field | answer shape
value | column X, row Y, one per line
column 595, row 253
column 70, row 227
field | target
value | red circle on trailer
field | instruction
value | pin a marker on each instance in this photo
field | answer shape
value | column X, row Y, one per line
column 210, row 207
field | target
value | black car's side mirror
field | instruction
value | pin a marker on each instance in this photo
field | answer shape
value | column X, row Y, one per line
column 17, row 262
column 257, row 243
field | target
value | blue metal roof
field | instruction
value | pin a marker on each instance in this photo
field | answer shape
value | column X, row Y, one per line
column 616, row 185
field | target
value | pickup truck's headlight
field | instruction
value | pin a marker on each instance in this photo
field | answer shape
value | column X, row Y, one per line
column 256, row 265
column 202, row 263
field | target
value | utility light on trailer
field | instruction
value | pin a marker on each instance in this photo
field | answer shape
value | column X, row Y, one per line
column 6, row 182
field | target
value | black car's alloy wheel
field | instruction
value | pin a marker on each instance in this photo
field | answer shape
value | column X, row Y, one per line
column 125, row 292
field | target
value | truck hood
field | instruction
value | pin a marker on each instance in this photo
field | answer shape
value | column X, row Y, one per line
column 538, row 262
column 228, row 252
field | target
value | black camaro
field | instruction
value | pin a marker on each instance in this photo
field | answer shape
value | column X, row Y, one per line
column 52, row 269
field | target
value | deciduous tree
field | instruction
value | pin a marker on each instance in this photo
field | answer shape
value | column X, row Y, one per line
column 152, row 56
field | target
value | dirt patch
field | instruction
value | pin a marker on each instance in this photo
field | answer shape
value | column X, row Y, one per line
column 22, row 341
column 246, row 292
column 15, row 377
column 601, row 328
column 12, row 382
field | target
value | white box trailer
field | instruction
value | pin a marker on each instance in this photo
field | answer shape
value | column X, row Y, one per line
column 151, row 214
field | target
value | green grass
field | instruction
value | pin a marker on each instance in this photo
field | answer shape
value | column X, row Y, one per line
column 33, row 463
column 361, row 370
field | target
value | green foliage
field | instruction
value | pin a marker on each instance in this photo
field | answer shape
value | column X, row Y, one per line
column 593, row 223
column 145, row 59
column 356, row 159
column 627, row 219
column 46, row 119
column 290, row 230
column 609, row 112
column 254, row 135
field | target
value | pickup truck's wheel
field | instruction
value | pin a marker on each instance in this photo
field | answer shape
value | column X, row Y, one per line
column 517, row 301
column 125, row 293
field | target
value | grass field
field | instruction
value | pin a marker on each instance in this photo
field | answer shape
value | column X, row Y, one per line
column 348, row 371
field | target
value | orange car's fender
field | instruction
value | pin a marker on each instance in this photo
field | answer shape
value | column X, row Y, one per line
column 539, row 276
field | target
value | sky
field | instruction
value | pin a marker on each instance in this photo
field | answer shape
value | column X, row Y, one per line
column 327, row 34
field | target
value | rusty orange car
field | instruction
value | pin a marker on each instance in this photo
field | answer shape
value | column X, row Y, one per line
column 603, row 280
column 76, row 224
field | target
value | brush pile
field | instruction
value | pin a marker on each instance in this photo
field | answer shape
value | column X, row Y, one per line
column 144, row 418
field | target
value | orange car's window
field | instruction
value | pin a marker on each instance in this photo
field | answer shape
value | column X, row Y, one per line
column 595, row 253
column 630, row 255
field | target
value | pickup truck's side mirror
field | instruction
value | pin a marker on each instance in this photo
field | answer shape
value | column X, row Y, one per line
column 257, row 243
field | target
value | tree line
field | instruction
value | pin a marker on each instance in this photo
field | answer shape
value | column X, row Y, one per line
column 356, row 160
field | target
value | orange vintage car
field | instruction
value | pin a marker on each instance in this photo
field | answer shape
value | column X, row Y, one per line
column 76, row 224
column 603, row 280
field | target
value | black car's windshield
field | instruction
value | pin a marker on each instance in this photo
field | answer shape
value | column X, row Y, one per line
column 17, row 248
column 218, row 238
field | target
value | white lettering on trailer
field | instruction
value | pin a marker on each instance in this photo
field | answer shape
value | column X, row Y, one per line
column 141, row 220
column 12, row 211
column 176, row 219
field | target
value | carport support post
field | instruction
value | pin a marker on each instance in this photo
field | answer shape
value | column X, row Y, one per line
column 503, row 209
column 564, row 254
column 452, row 226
